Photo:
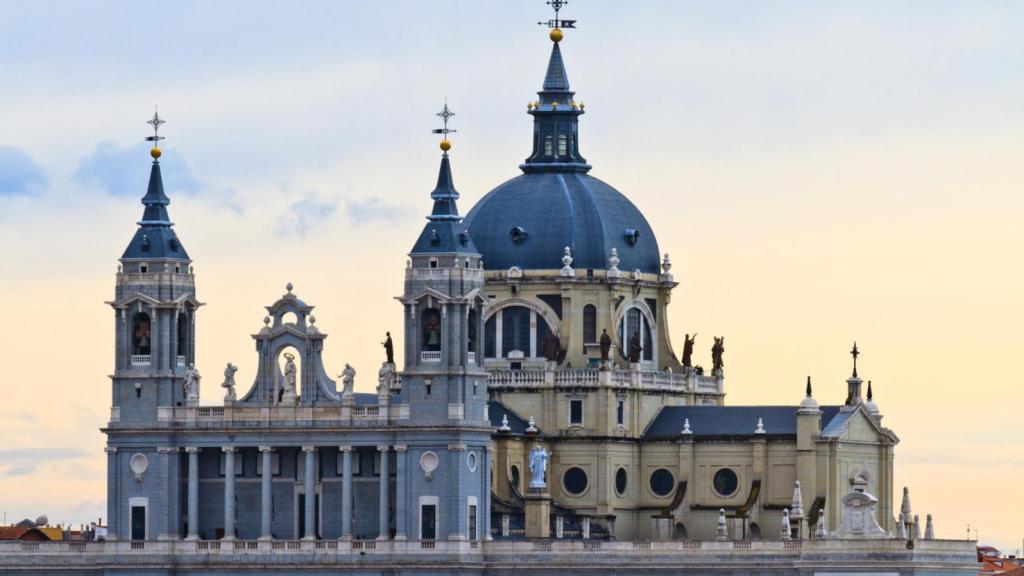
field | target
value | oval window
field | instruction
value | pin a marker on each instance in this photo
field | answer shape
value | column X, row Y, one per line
column 471, row 461
column 726, row 482
column 575, row 481
column 620, row 481
column 662, row 482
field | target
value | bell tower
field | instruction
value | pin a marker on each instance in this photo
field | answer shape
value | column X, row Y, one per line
column 444, row 305
column 154, row 310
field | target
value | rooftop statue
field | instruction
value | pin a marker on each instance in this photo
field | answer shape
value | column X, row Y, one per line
column 348, row 378
column 688, row 350
column 552, row 346
column 191, row 384
column 635, row 349
column 389, row 348
column 606, row 346
column 538, row 466
column 385, row 378
column 229, row 382
column 716, row 353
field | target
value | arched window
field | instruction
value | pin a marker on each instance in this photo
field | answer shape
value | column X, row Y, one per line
column 547, row 145
column 140, row 335
column 490, row 337
column 515, row 330
column 431, row 341
column 471, row 329
column 635, row 328
column 680, row 531
column 590, row 324
column 182, row 334
column 563, row 146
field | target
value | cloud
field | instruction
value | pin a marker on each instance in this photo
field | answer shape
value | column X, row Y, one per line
column 24, row 461
column 304, row 216
column 124, row 172
column 369, row 210
column 19, row 174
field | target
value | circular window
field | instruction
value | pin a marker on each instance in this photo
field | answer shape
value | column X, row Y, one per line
column 575, row 481
column 662, row 482
column 620, row 481
column 471, row 461
column 726, row 482
column 139, row 464
column 515, row 476
column 429, row 462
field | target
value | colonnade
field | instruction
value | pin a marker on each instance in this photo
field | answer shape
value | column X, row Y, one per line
column 266, row 500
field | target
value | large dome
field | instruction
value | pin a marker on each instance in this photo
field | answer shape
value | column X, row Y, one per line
column 529, row 220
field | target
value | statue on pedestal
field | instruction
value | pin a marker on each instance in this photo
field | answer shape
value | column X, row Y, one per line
column 538, row 466
column 191, row 384
column 606, row 347
column 288, row 395
column 385, row 377
column 635, row 349
column 552, row 346
column 389, row 348
column 716, row 354
column 348, row 379
column 229, row 382
column 688, row 350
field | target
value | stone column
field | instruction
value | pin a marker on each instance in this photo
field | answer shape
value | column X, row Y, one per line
column 229, row 492
column 400, row 495
column 266, row 453
column 193, row 492
column 113, row 498
column 346, row 492
column 310, row 492
column 385, row 492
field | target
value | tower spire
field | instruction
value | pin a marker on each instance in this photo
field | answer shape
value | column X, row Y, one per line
column 154, row 239
column 444, row 194
column 556, row 113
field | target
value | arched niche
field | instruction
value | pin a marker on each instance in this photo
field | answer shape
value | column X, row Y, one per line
column 141, row 338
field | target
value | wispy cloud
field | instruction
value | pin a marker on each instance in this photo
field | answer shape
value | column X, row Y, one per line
column 303, row 217
column 124, row 172
column 24, row 461
column 19, row 174
column 369, row 210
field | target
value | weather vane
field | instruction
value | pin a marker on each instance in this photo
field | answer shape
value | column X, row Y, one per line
column 445, row 114
column 557, row 5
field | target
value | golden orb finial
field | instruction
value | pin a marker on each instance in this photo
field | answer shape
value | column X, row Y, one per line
column 556, row 35
column 155, row 152
column 446, row 145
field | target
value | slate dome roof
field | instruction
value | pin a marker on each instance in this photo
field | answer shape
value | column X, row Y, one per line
column 529, row 220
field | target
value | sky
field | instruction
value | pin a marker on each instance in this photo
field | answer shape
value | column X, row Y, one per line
column 819, row 172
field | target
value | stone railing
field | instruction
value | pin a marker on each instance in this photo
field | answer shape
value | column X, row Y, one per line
column 241, row 549
column 576, row 378
column 430, row 356
column 445, row 273
column 204, row 416
column 181, row 361
column 141, row 359
column 157, row 277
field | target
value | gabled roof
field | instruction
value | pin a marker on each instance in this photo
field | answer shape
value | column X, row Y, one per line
column 729, row 421
column 517, row 424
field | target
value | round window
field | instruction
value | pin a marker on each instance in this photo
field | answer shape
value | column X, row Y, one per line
column 620, row 481
column 575, row 481
column 662, row 482
column 726, row 482
column 514, row 474
column 471, row 461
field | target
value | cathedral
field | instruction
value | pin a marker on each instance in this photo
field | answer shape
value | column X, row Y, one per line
column 538, row 407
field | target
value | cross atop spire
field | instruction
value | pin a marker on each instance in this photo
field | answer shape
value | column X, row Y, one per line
column 445, row 114
column 155, row 122
column 855, row 352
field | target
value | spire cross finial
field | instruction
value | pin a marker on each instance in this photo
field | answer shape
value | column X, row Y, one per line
column 155, row 122
column 557, row 5
column 855, row 352
column 445, row 114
